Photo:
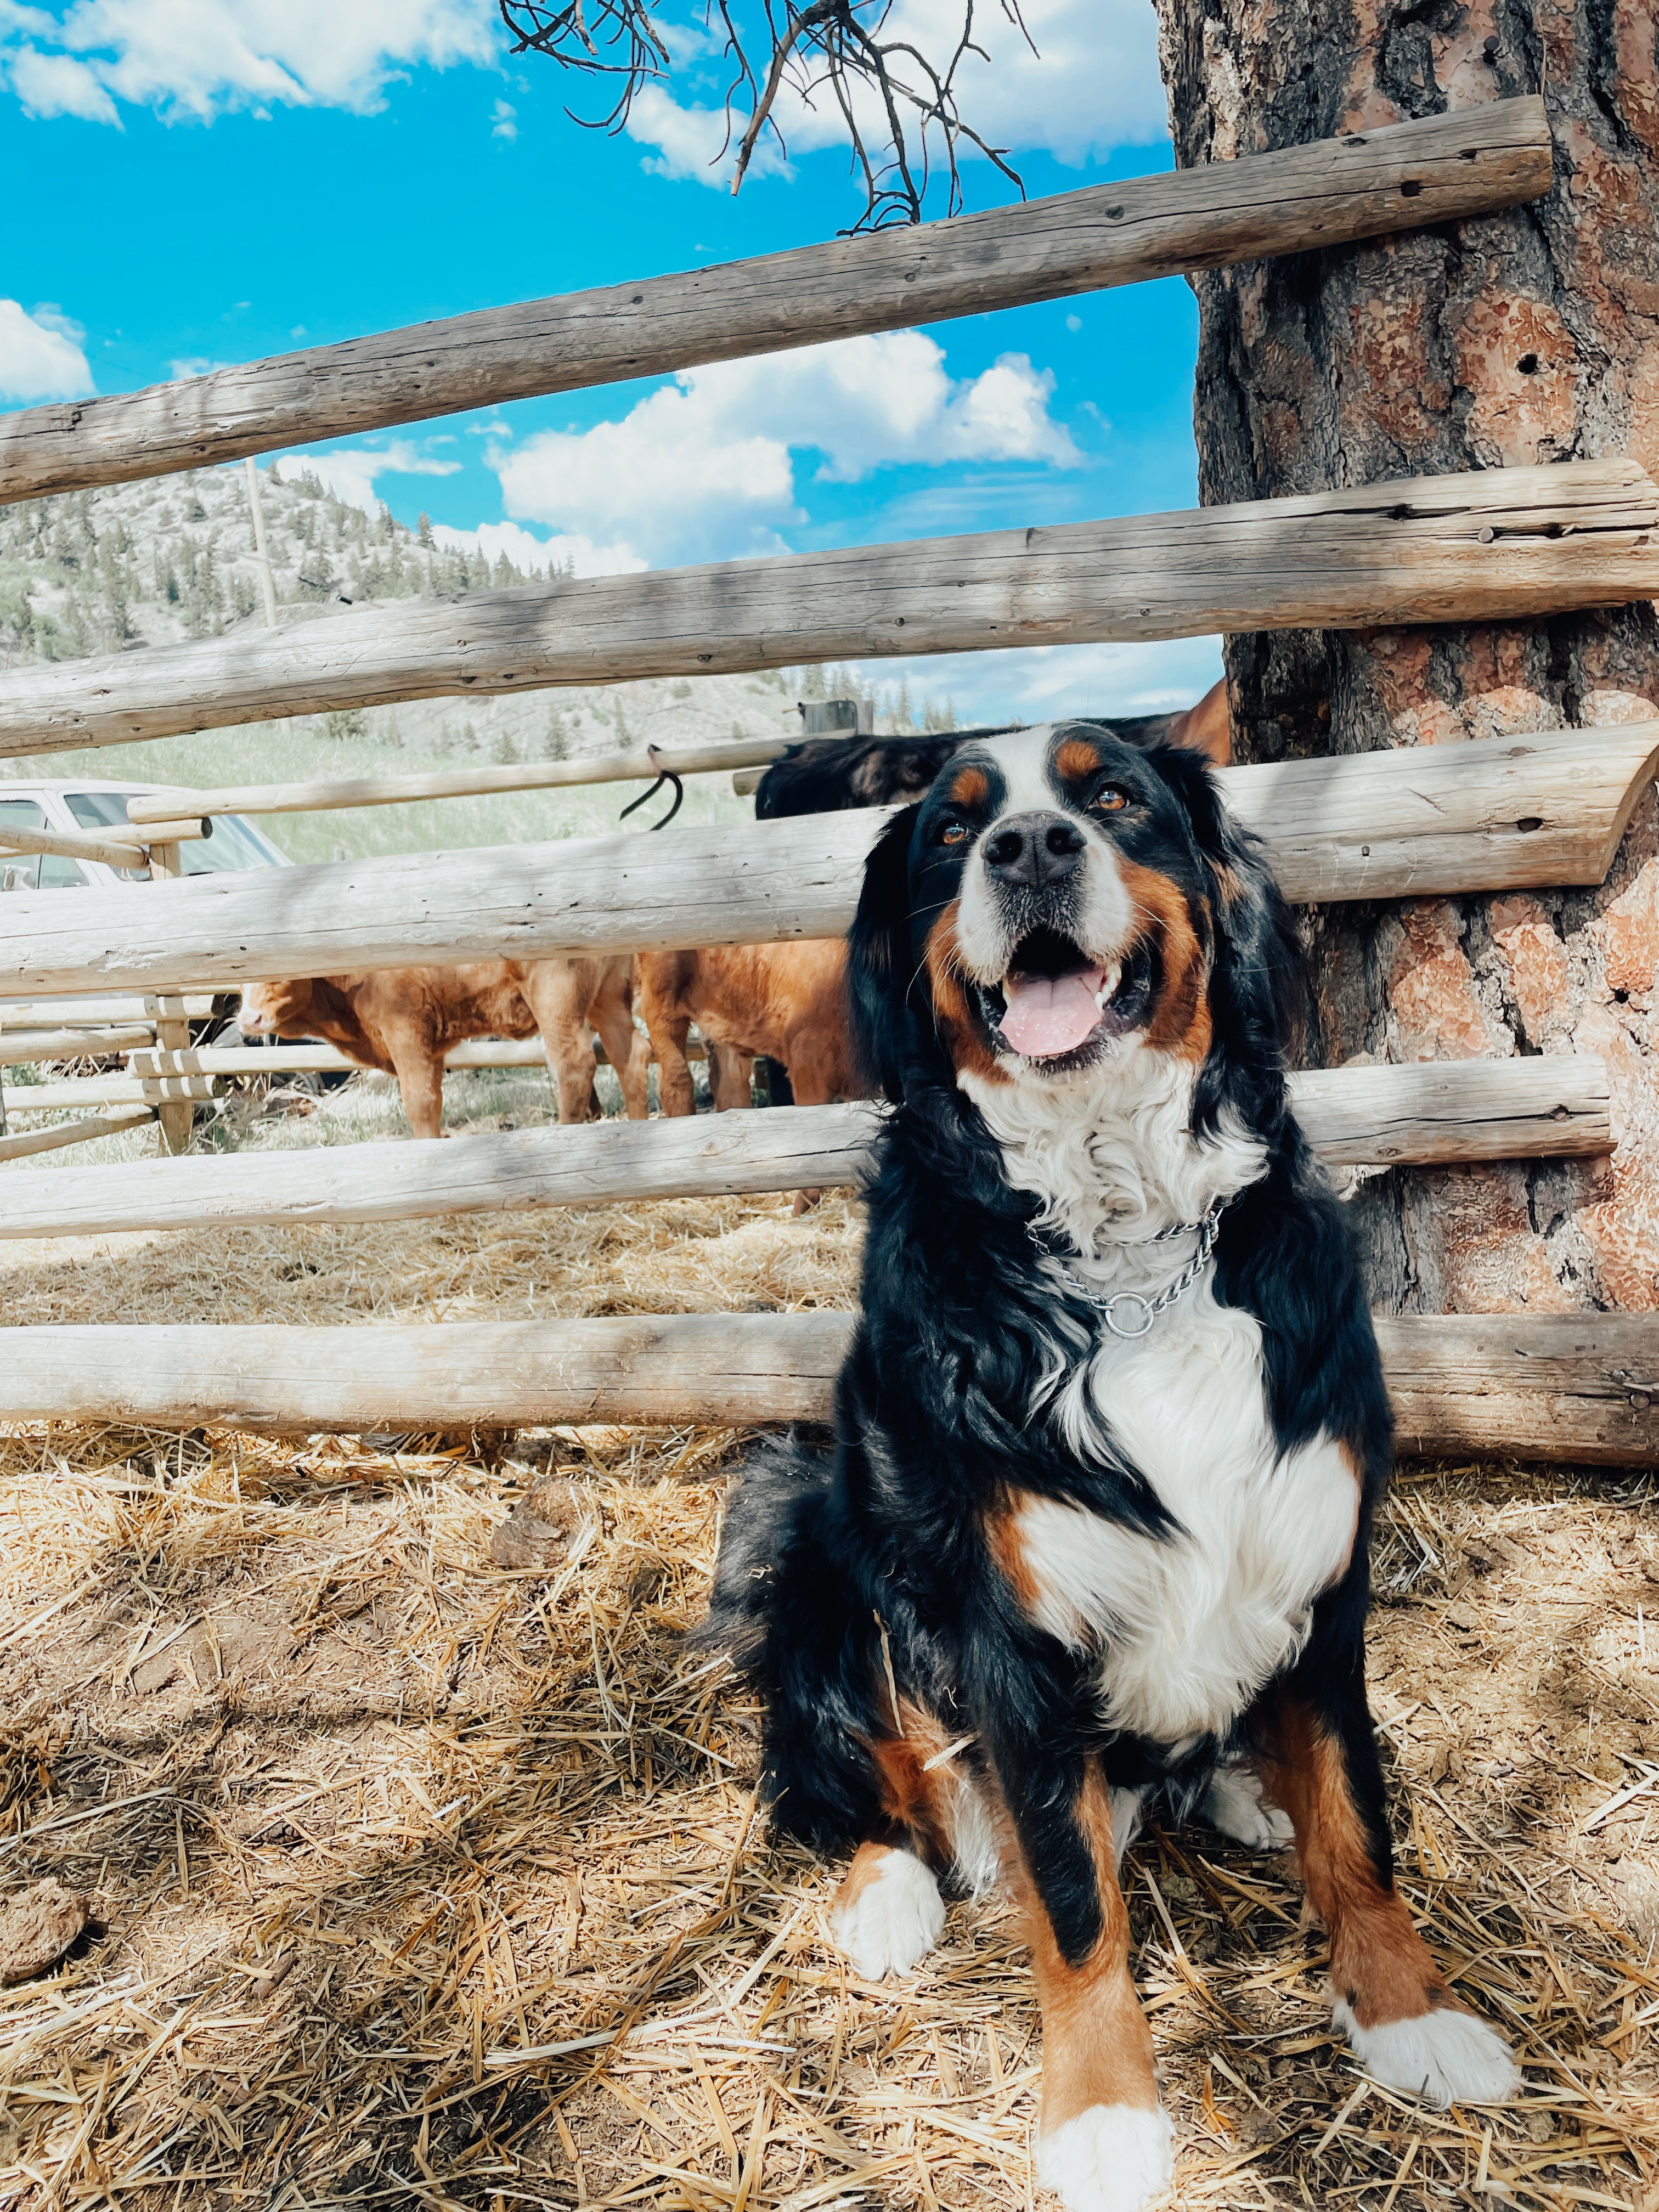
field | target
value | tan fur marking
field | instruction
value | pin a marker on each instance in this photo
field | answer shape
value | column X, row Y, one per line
column 1181, row 1023
column 1077, row 759
column 970, row 787
column 959, row 1032
column 1002, row 1541
column 920, row 1802
column 1096, row 2046
column 1379, row 1962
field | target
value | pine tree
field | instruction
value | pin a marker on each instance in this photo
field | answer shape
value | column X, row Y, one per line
column 423, row 530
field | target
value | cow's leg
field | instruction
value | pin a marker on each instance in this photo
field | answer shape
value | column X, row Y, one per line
column 729, row 1077
column 420, row 1071
column 626, row 1049
column 556, row 993
column 656, row 985
column 1314, row 1737
column 813, row 1066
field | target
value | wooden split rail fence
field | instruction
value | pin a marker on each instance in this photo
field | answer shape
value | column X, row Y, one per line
column 1545, row 808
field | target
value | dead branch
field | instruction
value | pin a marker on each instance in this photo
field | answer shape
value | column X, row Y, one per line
column 899, row 107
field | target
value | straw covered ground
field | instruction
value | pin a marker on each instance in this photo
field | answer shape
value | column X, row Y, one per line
column 418, row 1861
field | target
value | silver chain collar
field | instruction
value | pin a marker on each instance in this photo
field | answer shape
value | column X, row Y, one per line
column 1205, row 1231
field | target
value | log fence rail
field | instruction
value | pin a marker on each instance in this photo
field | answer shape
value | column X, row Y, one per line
column 1492, row 544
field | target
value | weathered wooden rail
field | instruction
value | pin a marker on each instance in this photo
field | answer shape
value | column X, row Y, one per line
column 635, row 762
column 23, row 1144
column 1494, row 544
column 1556, row 1386
column 1468, row 1110
column 1337, row 189
column 1498, row 812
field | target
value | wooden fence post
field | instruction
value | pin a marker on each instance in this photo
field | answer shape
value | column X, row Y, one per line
column 175, row 1118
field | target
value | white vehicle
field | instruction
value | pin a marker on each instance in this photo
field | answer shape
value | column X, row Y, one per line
column 84, row 804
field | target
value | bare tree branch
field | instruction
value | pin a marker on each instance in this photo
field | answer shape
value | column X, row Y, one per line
column 898, row 107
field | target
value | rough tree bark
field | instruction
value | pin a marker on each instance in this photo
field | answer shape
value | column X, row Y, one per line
column 1527, row 337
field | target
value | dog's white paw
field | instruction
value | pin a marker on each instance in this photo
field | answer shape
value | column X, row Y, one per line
column 1234, row 1804
column 1111, row 2158
column 1444, row 2057
column 892, row 1918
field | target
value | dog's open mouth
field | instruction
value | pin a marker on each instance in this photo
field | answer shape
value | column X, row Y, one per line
column 1054, row 1000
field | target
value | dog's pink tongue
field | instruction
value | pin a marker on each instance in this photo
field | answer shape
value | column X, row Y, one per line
column 1050, row 1014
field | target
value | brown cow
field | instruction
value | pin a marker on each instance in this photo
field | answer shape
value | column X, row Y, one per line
column 782, row 1002
column 404, row 1020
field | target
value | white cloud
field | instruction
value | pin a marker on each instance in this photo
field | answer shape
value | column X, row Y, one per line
column 57, row 84
column 199, row 58
column 702, row 468
column 693, row 142
column 506, row 126
column 1042, row 683
column 350, row 472
column 537, row 556
column 41, row 356
column 1093, row 84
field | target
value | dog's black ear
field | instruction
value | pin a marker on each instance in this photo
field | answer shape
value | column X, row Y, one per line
column 878, row 959
column 1258, row 990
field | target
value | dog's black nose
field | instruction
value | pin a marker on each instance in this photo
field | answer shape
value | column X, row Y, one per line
column 1034, row 850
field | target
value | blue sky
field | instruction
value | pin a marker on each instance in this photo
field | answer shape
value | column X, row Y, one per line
column 211, row 180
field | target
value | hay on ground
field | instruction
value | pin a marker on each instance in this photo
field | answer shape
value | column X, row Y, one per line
column 415, row 1880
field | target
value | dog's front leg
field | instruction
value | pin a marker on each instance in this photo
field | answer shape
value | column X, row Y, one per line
column 1105, row 2144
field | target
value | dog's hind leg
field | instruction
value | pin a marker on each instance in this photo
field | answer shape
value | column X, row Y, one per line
column 1236, row 1805
column 888, row 1913
column 1319, row 1760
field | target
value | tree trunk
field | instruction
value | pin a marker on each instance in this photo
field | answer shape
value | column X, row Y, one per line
column 1527, row 337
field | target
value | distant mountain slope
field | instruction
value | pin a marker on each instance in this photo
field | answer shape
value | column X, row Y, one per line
column 149, row 563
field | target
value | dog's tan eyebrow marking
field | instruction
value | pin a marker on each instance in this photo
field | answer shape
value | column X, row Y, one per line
column 1076, row 759
column 969, row 787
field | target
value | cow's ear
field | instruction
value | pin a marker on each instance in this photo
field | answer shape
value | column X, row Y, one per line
column 878, row 962
column 1206, row 728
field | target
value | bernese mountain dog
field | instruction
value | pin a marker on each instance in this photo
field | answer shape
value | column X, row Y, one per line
column 1109, row 1439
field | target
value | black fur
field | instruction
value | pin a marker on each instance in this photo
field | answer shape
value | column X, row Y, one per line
column 832, row 775
column 822, row 1552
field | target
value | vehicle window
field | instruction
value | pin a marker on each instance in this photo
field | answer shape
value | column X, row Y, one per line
column 58, row 874
column 20, row 871
column 98, row 810
column 104, row 810
column 235, row 843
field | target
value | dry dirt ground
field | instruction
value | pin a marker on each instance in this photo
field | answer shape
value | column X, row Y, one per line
column 414, row 1879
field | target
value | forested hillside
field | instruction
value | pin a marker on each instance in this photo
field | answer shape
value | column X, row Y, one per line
column 148, row 563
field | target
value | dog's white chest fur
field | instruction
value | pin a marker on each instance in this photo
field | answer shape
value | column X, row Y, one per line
column 1188, row 1627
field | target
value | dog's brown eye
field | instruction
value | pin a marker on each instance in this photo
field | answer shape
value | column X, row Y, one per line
column 953, row 833
column 1110, row 800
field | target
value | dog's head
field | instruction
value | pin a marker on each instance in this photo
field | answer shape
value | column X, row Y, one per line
column 1063, row 897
